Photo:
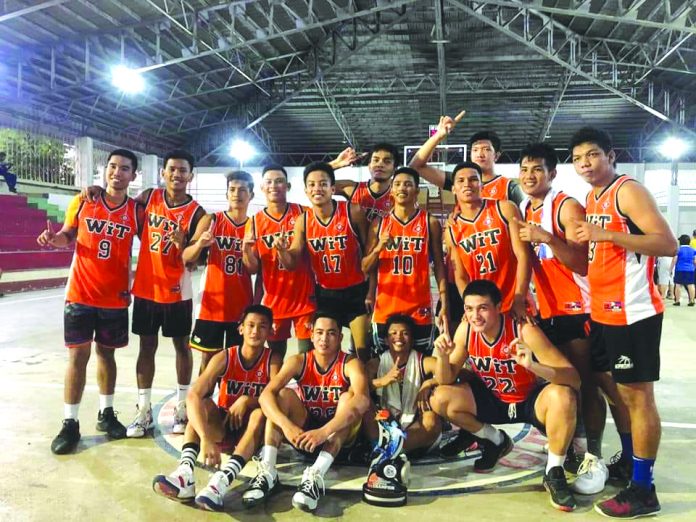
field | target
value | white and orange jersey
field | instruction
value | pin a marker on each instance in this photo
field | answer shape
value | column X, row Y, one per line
column 621, row 282
column 494, row 363
column 239, row 380
column 484, row 248
column 287, row 293
column 320, row 390
column 100, row 269
column 403, row 272
column 559, row 290
column 226, row 288
column 497, row 188
column 374, row 205
column 334, row 248
column 161, row 275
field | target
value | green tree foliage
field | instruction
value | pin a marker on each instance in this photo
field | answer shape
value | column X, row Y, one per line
column 36, row 157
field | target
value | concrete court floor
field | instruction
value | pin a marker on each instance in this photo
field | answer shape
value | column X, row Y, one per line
column 112, row 480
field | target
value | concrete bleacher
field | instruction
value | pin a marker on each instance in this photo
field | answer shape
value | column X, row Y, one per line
column 26, row 265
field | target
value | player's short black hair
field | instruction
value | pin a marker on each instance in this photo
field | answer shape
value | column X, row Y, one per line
column 275, row 166
column 320, row 166
column 240, row 175
column 684, row 239
column 540, row 151
column 323, row 314
column 483, row 288
column 409, row 171
column 402, row 319
column 486, row 135
column 388, row 147
column 179, row 154
column 121, row 152
column 257, row 309
column 467, row 165
column 594, row 135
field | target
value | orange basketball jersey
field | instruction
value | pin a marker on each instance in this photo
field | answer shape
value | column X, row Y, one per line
column 334, row 248
column 559, row 290
column 161, row 275
column 496, row 188
column 485, row 249
column 239, row 380
column 374, row 205
column 403, row 273
column 287, row 293
column 100, row 269
column 621, row 282
column 320, row 391
column 226, row 285
column 495, row 364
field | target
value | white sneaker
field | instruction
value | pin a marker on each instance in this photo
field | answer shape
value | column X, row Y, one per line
column 179, row 486
column 262, row 486
column 180, row 418
column 142, row 422
column 591, row 477
column 307, row 496
column 211, row 497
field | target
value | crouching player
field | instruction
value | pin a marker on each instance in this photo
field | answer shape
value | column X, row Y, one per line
column 243, row 372
column 323, row 417
column 519, row 377
column 398, row 378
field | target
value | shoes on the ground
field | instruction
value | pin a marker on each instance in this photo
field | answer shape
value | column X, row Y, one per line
column 262, row 486
column 211, row 497
column 462, row 441
column 491, row 453
column 591, row 477
column 632, row 502
column 309, row 491
column 68, row 437
column 180, row 418
column 141, row 424
column 561, row 496
column 620, row 469
column 180, row 485
column 108, row 422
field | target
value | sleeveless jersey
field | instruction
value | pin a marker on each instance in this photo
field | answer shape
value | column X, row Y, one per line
column 621, row 282
column 239, row 380
column 374, row 205
column 226, row 285
column 403, row 272
column 100, row 269
column 485, row 249
column 495, row 364
column 559, row 290
column 497, row 188
column 287, row 293
column 320, row 391
column 161, row 275
column 334, row 248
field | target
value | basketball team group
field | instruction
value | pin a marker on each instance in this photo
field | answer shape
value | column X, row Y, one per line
column 543, row 311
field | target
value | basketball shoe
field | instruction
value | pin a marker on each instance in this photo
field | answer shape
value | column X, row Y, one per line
column 307, row 496
column 141, row 424
column 262, row 486
column 634, row 501
column 180, row 418
column 108, row 422
column 211, row 497
column 180, row 485
column 68, row 437
column 591, row 477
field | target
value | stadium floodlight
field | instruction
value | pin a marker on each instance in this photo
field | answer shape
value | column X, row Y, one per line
column 242, row 151
column 673, row 148
column 127, row 80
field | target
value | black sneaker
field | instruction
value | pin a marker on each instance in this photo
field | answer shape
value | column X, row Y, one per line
column 66, row 441
column 262, row 486
column 462, row 441
column 492, row 453
column 634, row 501
column 108, row 423
column 572, row 461
column 620, row 469
column 561, row 496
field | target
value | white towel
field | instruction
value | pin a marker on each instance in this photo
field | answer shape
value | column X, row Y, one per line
column 544, row 251
column 400, row 400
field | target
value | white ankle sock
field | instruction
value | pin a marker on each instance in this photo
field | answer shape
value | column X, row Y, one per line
column 70, row 411
column 144, row 398
column 269, row 454
column 182, row 391
column 105, row 401
column 554, row 460
column 490, row 433
column 323, row 462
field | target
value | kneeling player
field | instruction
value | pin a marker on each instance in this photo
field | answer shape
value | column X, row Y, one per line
column 519, row 377
column 398, row 377
column 243, row 372
column 323, row 418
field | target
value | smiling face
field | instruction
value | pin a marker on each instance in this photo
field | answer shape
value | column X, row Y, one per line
column 594, row 165
column 275, row 186
column 382, row 165
column 466, row 186
column 326, row 337
column 119, row 172
column 404, row 189
column 255, row 330
column 318, row 188
column 399, row 338
column 535, row 177
column 482, row 314
column 177, row 175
